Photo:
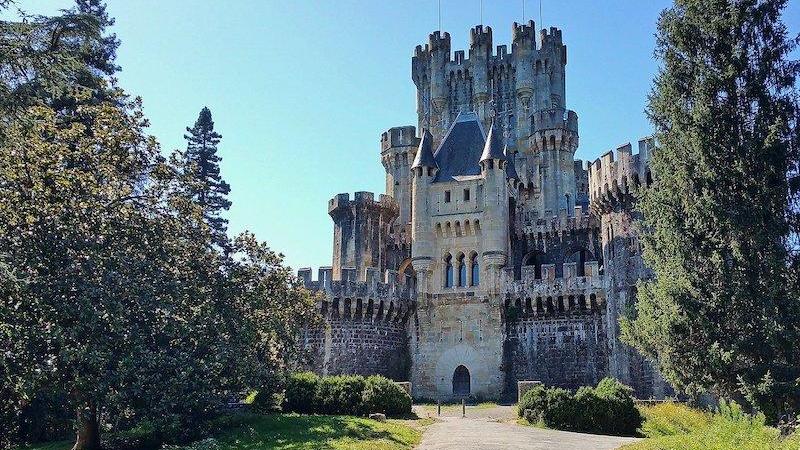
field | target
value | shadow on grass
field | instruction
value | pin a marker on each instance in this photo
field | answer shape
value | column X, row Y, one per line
column 290, row 431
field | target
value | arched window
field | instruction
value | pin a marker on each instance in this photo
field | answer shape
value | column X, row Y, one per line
column 448, row 271
column 475, row 280
column 462, row 271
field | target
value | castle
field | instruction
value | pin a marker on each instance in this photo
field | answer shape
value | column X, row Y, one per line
column 494, row 256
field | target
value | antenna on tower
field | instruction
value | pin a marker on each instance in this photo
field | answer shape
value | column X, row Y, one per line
column 481, row 12
column 523, row 11
column 440, row 15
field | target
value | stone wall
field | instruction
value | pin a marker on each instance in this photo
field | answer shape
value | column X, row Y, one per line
column 362, row 347
column 567, row 350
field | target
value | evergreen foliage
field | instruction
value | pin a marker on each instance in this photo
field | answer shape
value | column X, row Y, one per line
column 117, row 306
column 201, row 164
column 720, row 227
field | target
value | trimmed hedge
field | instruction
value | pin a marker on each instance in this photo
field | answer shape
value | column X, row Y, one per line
column 607, row 408
column 307, row 393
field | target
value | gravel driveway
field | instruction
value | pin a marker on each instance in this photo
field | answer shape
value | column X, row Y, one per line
column 495, row 429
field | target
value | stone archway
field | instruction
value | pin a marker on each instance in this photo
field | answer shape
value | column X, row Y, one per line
column 461, row 381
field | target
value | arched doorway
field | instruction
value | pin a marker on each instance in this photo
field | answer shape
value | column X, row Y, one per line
column 461, row 381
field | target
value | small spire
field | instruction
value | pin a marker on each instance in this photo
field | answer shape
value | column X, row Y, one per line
column 424, row 156
column 493, row 148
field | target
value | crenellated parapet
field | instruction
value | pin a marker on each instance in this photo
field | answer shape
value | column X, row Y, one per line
column 490, row 79
column 382, row 297
column 554, row 129
column 540, row 292
column 613, row 181
column 554, row 225
column 342, row 205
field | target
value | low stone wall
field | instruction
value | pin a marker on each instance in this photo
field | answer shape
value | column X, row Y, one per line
column 567, row 350
column 359, row 347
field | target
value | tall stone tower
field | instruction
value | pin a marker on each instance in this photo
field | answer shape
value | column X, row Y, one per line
column 614, row 182
column 398, row 148
column 360, row 232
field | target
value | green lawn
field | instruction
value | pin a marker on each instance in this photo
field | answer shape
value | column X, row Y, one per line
column 297, row 432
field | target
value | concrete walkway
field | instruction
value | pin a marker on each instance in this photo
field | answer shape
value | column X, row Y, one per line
column 495, row 429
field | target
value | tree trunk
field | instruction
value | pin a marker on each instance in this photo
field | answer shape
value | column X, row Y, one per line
column 88, row 429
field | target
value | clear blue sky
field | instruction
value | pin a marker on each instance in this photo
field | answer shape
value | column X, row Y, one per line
column 301, row 90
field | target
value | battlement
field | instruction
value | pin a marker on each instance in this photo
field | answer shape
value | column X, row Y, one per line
column 555, row 118
column 480, row 40
column 405, row 136
column 551, row 37
column 439, row 42
column 557, row 224
column 361, row 200
column 548, row 295
column 615, row 179
column 381, row 296
column 524, row 34
column 481, row 45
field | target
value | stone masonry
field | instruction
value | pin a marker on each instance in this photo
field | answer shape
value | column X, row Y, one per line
column 494, row 256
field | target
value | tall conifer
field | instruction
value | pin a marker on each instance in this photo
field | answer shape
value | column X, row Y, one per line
column 720, row 224
column 201, row 162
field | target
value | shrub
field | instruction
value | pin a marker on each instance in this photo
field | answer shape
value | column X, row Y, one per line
column 618, row 413
column 534, row 400
column 269, row 396
column 383, row 395
column 560, row 411
column 341, row 394
column 301, row 393
column 607, row 409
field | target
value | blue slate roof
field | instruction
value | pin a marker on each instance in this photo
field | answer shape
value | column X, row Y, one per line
column 460, row 150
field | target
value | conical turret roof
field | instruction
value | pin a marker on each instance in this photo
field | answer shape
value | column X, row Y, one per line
column 424, row 156
column 494, row 145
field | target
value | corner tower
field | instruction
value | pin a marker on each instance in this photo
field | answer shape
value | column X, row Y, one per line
column 360, row 232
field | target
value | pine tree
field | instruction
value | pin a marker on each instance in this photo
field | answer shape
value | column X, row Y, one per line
column 208, row 188
column 720, row 224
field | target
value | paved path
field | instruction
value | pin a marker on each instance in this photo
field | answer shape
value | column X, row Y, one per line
column 495, row 429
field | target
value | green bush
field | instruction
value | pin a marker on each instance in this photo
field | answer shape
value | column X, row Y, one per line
column 560, row 411
column 606, row 409
column 341, row 394
column 307, row 393
column 301, row 393
column 383, row 395
column 534, row 400
column 618, row 413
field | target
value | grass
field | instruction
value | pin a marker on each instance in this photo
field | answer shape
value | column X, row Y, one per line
column 300, row 432
column 671, row 426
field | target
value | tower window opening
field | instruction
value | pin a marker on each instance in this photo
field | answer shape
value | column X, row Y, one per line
column 475, row 280
column 462, row 272
column 448, row 271
column 447, row 196
column 466, row 195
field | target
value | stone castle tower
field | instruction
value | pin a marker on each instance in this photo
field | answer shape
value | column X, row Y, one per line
column 493, row 256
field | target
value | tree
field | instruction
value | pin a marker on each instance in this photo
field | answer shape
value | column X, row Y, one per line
column 723, row 311
column 112, row 292
column 201, row 164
